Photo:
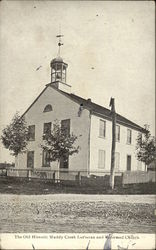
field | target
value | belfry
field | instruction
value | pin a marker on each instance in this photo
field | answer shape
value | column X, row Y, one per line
column 59, row 70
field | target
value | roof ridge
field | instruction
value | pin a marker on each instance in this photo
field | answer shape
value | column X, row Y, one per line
column 108, row 110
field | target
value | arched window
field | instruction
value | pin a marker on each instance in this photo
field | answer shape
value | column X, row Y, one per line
column 48, row 108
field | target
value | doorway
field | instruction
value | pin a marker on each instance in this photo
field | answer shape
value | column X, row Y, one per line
column 30, row 159
column 128, row 162
column 64, row 162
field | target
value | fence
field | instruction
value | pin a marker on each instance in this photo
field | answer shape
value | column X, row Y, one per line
column 82, row 177
column 138, row 177
column 44, row 174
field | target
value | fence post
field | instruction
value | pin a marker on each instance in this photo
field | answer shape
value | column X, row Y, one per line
column 54, row 176
column 122, row 180
column 29, row 174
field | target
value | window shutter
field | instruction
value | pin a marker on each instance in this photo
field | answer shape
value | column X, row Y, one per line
column 117, row 160
column 102, row 128
column 129, row 136
column 101, row 159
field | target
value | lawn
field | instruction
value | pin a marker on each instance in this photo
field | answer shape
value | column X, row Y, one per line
column 12, row 185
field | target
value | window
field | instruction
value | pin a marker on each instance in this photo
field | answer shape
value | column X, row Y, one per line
column 101, row 159
column 117, row 133
column 129, row 136
column 31, row 132
column 47, row 128
column 48, row 108
column 46, row 159
column 65, row 126
column 102, row 128
column 58, row 72
column 117, row 160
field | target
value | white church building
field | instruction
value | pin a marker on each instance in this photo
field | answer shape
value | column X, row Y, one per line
column 81, row 117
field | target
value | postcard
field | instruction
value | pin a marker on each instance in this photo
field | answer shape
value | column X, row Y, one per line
column 77, row 144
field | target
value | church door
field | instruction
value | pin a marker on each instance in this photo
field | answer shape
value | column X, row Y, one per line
column 30, row 159
column 64, row 161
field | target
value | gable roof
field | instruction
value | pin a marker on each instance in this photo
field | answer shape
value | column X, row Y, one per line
column 93, row 108
column 103, row 112
column 35, row 100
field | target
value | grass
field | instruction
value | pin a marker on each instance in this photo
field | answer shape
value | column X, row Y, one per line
column 13, row 185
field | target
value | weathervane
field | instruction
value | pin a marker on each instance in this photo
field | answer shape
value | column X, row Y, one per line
column 59, row 43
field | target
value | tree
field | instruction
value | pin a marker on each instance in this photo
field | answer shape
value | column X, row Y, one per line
column 59, row 143
column 15, row 135
column 146, row 147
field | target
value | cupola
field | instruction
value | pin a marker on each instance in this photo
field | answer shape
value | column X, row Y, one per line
column 59, row 71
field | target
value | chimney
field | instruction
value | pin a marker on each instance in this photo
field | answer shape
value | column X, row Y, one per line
column 89, row 100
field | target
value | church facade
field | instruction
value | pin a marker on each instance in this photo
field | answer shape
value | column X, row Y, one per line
column 89, row 121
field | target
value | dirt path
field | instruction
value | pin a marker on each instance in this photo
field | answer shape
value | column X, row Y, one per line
column 150, row 199
column 66, row 213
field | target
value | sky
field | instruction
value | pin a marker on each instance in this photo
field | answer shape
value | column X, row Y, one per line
column 109, row 47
